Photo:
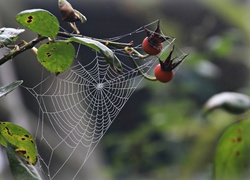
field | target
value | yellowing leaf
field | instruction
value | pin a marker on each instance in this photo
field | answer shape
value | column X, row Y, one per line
column 21, row 169
column 21, row 139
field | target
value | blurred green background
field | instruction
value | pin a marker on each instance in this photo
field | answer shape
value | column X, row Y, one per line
column 160, row 133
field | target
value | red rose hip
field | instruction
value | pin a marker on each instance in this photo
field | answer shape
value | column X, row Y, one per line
column 151, row 48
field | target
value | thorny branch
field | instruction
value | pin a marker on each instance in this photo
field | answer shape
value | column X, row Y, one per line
column 16, row 51
column 29, row 45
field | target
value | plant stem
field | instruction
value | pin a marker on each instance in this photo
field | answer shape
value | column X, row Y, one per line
column 16, row 51
column 130, row 50
column 105, row 42
column 74, row 27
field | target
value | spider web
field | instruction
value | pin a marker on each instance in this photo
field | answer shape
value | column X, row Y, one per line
column 78, row 106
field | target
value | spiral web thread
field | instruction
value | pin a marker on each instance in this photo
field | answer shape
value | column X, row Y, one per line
column 78, row 106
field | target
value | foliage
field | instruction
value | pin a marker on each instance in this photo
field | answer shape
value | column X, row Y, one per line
column 21, row 139
column 56, row 56
column 48, row 55
column 39, row 21
column 173, row 137
column 232, row 153
column 101, row 48
column 19, row 169
column 20, row 144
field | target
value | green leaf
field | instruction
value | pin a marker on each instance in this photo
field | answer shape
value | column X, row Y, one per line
column 101, row 48
column 19, row 168
column 232, row 157
column 39, row 21
column 3, row 141
column 8, row 35
column 8, row 88
column 20, row 138
column 56, row 57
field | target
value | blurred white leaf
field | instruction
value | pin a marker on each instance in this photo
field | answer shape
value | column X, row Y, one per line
column 11, row 32
column 10, row 87
column 207, row 69
column 235, row 103
column 8, row 35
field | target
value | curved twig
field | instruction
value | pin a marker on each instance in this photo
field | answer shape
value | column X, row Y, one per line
column 129, row 51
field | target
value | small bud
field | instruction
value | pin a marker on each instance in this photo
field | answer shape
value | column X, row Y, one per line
column 68, row 13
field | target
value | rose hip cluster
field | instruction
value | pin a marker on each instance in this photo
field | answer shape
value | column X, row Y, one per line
column 152, row 45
